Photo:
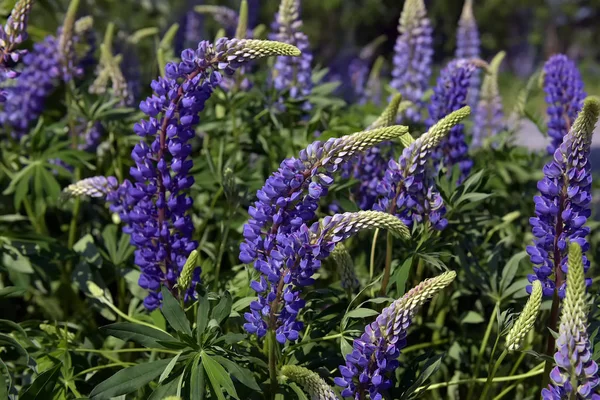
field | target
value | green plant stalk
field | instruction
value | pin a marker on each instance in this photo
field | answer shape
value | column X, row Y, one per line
column 372, row 259
column 273, row 363
column 388, row 264
column 420, row 346
column 128, row 318
column 486, row 338
column 221, row 252
column 506, row 391
column 491, row 375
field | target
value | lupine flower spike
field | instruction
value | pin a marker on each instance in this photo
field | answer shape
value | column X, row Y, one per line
column 563, row 206
column 310, row 381
column 413, row 55
column 374, row 358
column 358, row 68
column 468, row 46
column 526, row 320
column 489, row 115
column 564, row 96
column 97, row 186
column 292, row 74
column 13, row 33
column 450, row 94
column 345, row 267
column 575, row 375
column 225, row 16
column 408, row 189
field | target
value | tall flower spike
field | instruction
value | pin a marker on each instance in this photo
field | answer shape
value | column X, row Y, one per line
column 413, row 55
column 563, row 206
column 575, row 374
column 374, row 358
column 345, row 267
column 155, row 207
column 292, row 74
column 468, row 46
column 358, row 68
column 564, row 96
column 225, row 16
column 310, row 381
column 97, row 186
column 450, row 94
column 489, row 115
column 369, row 168
column 525, row 322
column 408, row 189
column 292, row 262
column 374, row 87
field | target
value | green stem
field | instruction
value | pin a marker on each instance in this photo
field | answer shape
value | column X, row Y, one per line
column 135, row 350
column 31, row 215
column 372, row 259
column 516, row 365
column 506, row 391
column 273, row 363
column 221, row 252
column 486, row 338
column 99, row 367
column 420, row 346
column 488, row 383
column 388, row 264
column 128, row 318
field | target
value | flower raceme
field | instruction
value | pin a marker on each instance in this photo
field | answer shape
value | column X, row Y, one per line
column 468, row 46
column 564, row 96
column 310, row 381
column 407, row 189
column 413, row 54
column 369, row 367
column 154, row 206
column 489, row 115
column 563, row 206
column 575, row 375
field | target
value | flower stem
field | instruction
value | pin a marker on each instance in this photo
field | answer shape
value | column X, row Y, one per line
column 484, row 342
column 388, row 265
column 372, row 259
column 491, row 375
column 273, row 363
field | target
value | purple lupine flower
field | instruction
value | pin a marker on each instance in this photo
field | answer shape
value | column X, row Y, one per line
column 408, row 188
column 13, row 33
column 575, row 375
column 43, row 71
column 287, row 202
column 450, row 94
column 413, row 55
column 563, row 206
column 468, row 46
column 96, row 186
column 155, row 206
column 294, row 259
column 293, row 75
column 564, row 96
column 369, row 367
column 489, row 114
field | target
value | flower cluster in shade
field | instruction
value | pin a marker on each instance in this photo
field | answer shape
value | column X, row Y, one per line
column 563, row 206
column 278, row 228
column 564, row 97
column 468, row 46
column 408, row 189
column 292, row 75
column 489, row 113
column 575, row 375
column 310, row 381
column 450, row 94
column 413, row 53
column 155, row 204
column 370, row 366
column 13, row 33
column 43, row 71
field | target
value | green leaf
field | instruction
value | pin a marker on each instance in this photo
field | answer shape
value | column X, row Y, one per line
column 43, row 386
column 222, row 310
column 472, row 318
column 510, row 270
column 361, row 313
column 10, row 341
column 129, row 379
column 165, row 389
column 431, row 367
column 202, row 315
column 218, row 377
column 242, row 374
column 401, row 276
column 12, row 291
column 174, row 314
column 298, row 391
column 197, row 381
column 144, row 335
column 168, row 369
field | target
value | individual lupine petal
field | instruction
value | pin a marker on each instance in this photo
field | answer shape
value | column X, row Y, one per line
column 310, row 381
column 408, row 189
column 525, row 322
column 413, row 54
column 574, row 363
column 564, row 203
column 489, row 115
column 450, row 94
column 345, row 267
column 564, row 96
column 468, row 46
column 370, row 366
column 97, row 186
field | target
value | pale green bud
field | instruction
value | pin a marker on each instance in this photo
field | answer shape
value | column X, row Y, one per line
column 310, row 381
column 526, row 320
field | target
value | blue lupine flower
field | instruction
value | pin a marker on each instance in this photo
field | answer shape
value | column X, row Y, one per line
column 450, row 94
column 369, row 367
column 155, row 206
column 468, row 46
column 564, row 97
column 408, row 189
column 293, row 75
column 413, row 55
column 489, row 114
column 563, row 206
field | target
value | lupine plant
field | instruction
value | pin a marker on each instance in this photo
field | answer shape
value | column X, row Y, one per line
column 191, row 211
